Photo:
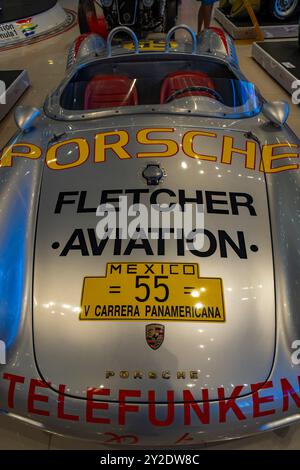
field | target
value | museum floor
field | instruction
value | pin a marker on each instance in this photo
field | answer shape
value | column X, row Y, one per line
column 45, row 62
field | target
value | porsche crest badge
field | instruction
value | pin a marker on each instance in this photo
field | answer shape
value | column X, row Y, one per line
column 155, row 335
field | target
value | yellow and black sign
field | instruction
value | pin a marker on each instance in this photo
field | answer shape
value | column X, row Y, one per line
column 151, row 45
column 152, row 291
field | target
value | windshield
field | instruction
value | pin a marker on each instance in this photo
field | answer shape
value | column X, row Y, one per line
column 204, row 88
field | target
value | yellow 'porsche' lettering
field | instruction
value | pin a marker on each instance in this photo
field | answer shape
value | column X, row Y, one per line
column 268, row 158
column 17, row 150
column 171, row 145
column 188, row 145
column 115, row 144
column 249, row 153
column 82, row 154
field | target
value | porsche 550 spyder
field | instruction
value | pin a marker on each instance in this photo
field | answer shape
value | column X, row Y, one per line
column 149, row 249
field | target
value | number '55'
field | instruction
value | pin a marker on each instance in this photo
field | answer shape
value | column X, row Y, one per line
column 161, row 289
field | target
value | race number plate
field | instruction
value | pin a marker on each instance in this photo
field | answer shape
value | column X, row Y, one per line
column 152, row 291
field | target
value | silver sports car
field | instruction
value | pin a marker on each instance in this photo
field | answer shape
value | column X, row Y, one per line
column 149, row 249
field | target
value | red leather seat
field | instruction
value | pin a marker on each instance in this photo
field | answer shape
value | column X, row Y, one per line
column 110, row 91
column 179, row 80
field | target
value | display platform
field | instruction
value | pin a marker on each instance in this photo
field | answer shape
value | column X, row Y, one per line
column 17, row 9
column 281, row 59
column 16, row 83
column 244, row 29
column 22, row 21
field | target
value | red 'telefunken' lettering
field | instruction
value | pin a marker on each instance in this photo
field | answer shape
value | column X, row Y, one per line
column 194, row 408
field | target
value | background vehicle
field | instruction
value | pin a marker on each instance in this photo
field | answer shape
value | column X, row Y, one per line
column 142, row 16
column 279, row 10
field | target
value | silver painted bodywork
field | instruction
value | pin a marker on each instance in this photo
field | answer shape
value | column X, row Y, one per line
column 40, row 290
